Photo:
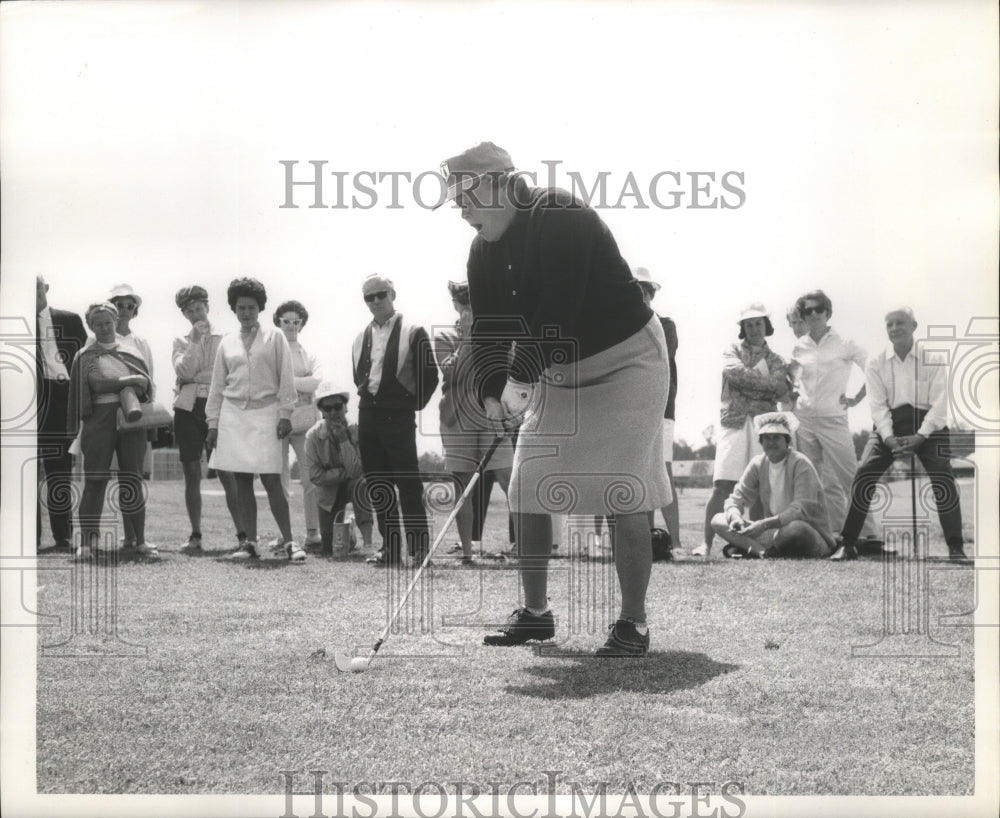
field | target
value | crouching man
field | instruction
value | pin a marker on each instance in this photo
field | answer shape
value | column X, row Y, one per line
column 795, row 520
column 909, row 400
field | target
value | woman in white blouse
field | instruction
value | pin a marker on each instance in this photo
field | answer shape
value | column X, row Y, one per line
column 249, row 412
column 291, row 318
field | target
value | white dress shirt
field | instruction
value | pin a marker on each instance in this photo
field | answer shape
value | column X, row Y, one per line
column 52, row 368
column 918, row 379
column 380, row 341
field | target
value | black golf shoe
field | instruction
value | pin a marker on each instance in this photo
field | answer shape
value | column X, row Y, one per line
column 957, row 555
column 625, row 641
column 523, row 626
column 845, row 551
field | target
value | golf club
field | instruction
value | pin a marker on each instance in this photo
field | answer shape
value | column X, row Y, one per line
column 358, row 664
column 913, row 502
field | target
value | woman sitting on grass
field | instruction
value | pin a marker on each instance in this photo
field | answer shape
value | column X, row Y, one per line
column 795, row 522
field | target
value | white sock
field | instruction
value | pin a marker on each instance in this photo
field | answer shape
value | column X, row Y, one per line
column 537, row 611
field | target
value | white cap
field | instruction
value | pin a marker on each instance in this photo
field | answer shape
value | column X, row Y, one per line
column 755, row 310
column 124, row 291
column 776, row 423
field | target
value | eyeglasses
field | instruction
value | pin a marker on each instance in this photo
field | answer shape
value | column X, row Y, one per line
column 127, row 306
column 805, row 312
column 291, row 321
column 370, row 297
column 331, row 407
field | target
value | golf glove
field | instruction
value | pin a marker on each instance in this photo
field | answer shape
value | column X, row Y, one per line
column 517, row 399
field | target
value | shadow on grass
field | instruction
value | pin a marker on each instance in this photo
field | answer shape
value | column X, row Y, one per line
column 586, row 675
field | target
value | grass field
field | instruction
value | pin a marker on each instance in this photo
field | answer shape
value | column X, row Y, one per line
column 751, row 676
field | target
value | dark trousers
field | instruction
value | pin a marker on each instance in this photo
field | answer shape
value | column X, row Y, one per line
column 388, row 446
column 350, row 491
column 327, row 517
column 933, row 456
column 54, row 457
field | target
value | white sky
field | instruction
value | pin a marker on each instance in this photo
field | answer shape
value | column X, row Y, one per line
column 141, row 143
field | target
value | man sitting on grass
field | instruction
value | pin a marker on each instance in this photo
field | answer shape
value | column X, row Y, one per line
column 795, row 521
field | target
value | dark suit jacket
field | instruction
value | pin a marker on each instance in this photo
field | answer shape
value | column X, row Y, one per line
column 70, row 338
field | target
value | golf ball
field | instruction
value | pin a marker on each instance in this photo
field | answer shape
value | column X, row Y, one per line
column 359, row 665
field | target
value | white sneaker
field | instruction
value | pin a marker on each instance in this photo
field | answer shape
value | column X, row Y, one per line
column 702, row 550
column 145, row 549
column 295, row 554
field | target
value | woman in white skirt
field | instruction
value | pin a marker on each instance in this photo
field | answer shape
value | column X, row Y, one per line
column 754, row 379
column 587, row 381
column 249, row 411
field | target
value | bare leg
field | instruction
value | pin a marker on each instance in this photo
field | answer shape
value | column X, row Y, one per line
column 723, row 488
column 671, row 513
column 633, row 563
column 466, row 513
column 192, row 493
column 246, row 503
column 228, row 481
column 279, row 504
column 535, row 542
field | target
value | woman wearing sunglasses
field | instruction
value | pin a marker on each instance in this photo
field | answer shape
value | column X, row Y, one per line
column 825, row 360
column 586, row 384
column 332, row 463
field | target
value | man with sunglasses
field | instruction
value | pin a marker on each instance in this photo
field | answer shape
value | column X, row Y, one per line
column 333, row 465
column 395, row 374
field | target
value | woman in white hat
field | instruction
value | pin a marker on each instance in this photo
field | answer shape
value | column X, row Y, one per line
column 794, row 522
column 587, row 381
column 754, row 379
column 127, row 301
column 100, row 371
column 331, row 462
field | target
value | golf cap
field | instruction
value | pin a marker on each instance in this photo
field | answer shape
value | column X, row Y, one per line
column 776, row 423
column 124, row 291
column 185, row 295
column 642, row 275
column 329, row 390
column 464, row 171
column 459, row 289
column 755, row 310
column 375, row 283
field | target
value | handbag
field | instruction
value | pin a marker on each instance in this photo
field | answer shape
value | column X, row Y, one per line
column 154, row 415
column 344, row 539
column 303, row 418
